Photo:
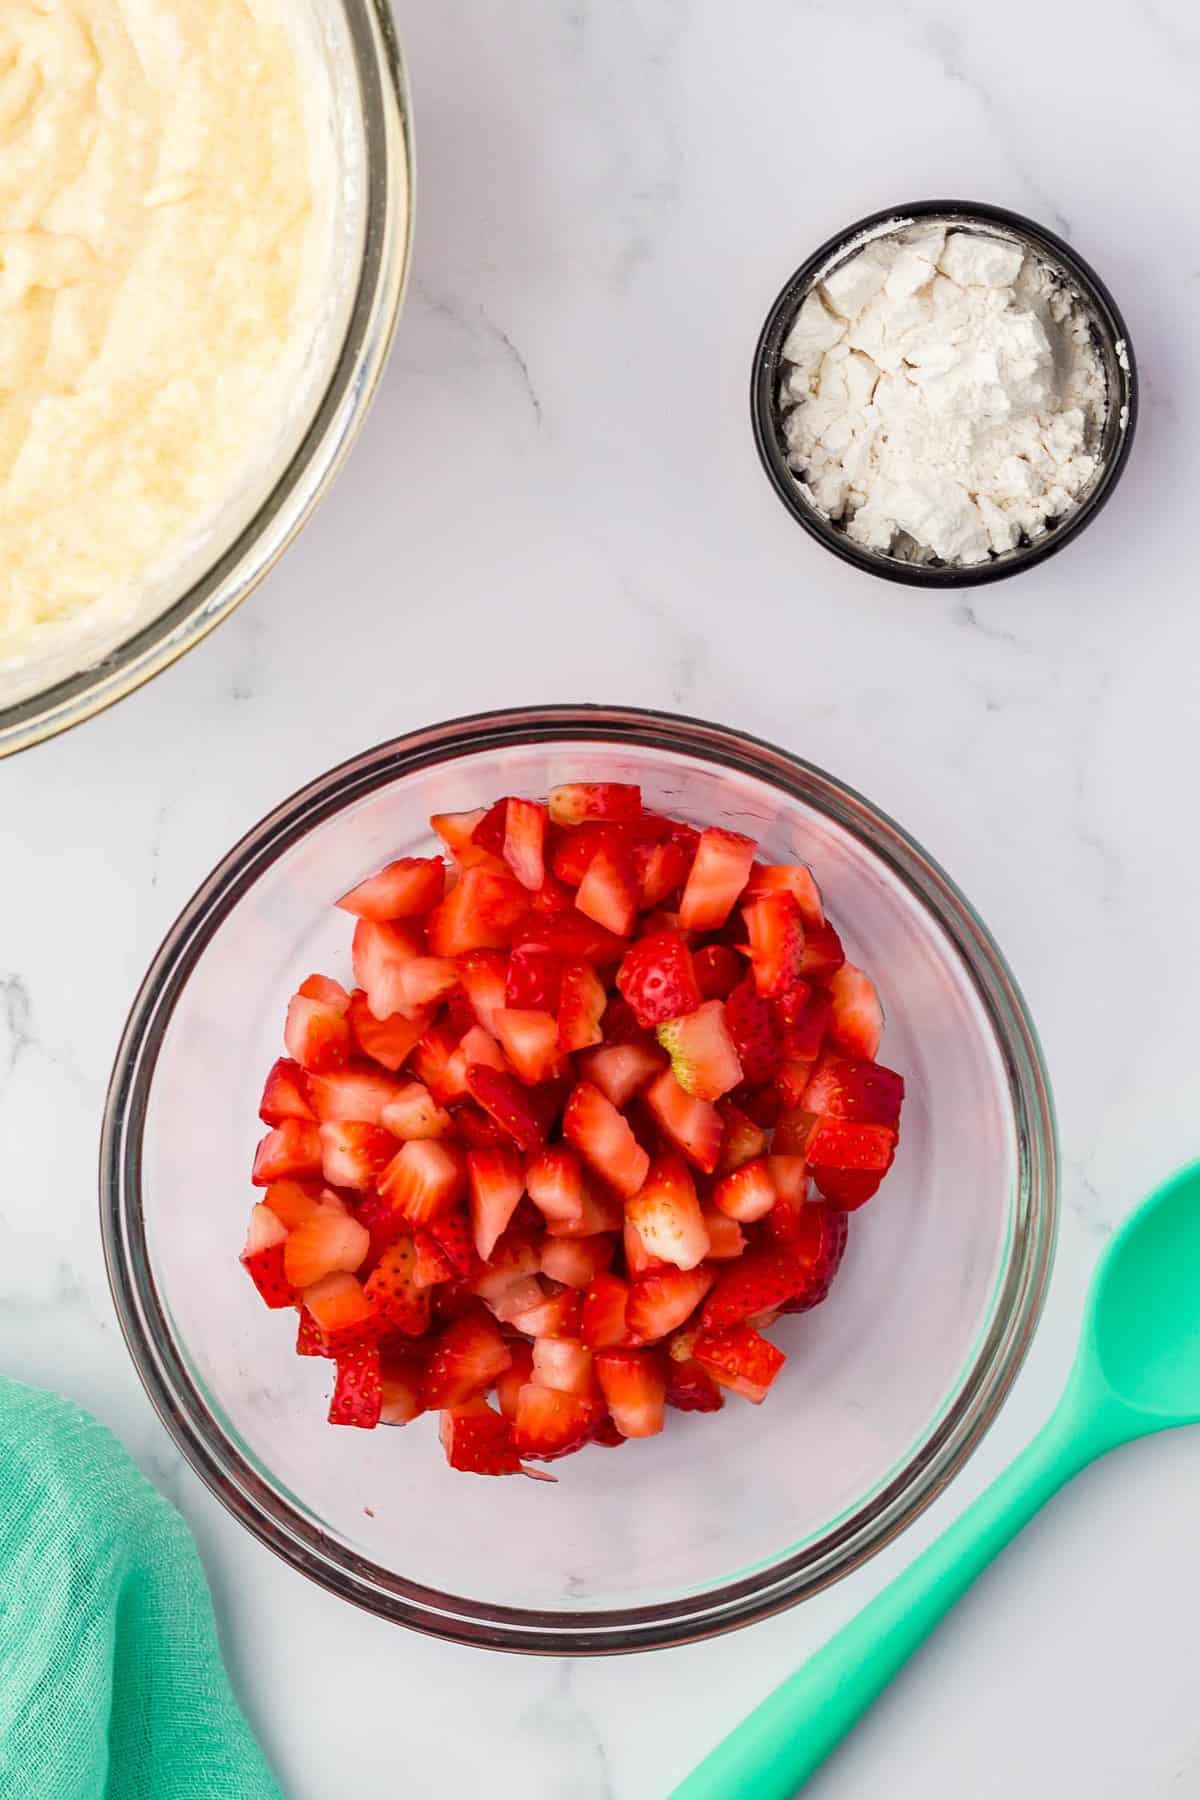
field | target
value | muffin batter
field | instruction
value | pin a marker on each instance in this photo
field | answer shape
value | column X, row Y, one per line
column 161, row 271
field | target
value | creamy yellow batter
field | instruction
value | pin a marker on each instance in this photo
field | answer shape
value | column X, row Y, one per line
column 157, row 291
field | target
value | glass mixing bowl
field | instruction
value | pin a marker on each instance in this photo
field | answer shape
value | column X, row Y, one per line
column 888, row 1387
column 364, row 118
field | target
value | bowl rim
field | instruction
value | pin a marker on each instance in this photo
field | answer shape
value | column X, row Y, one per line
column 764, row 409
column 953, row 1435
column 329, row 436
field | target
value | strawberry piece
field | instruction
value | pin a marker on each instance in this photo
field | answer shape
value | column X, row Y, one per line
column 534, row 979
column 762, row 1105
column 793, row 879
column 412, row 1112
column 356, row 1093
column 401, row 1380
column 619, row 1070
column 793, row 1130
column 575, row 1261
column 776, row 947
column 571, row 936
column 755, row 1033
column 821, row 1244
column 490, row 831
column 665, row 1213
column 477, row 1049
column 412, row 885
column 790, row 1084
column 577, row 846
column 611, row 800
column 431, row 1266
column 703, row 1058
column 496, row 1180
column 502, row 1097
column 315, row 1034
column 327, row 1241
column 789, row 1178
column 841, row 1144
column 465, row 1360
column 761, row 1279
column 743, row 1139
column 609, row 891
column 424, row 1179
column 482, row 976
column 741, row 1360
column 452, row 1235
column 553, row 1315
column 592, row 1124
column 621, row 1025
column 293, row 1148
column 513, row 1379
column 551, row 1423
column 726, row 1239
column 352, row 1155
column 601, row 1211
column 564, row 1363
column 456, row 829
column 747, row 1193
column 426, row 980
column 661, row 870
column 638, row 1260
column 358, row 1390
column 292, row 1201
column 581, row 1004
column 553, row 897
column 530, row 1040
column 718, row 971
column 262, row 1257
column 661, row 1302
column 379, row 954
column 555, row 1182
column 604, row 1321
column 801, row 1018
column 389, row 1042
column 393, row 1292
column 524, row 1295
column 476, row 1128
column 635, row 1389
column 848, row 1189
column 341, row 1313
column 478, row 1441
column 658, row 979
column 285, row 1093
column 694, row 1126
column 309, row 1341
column 329, row 992
column 524, row 841
column 690, row 1388
column 845, row 1088
column 856, row 1022
column 483, row 912
column 823, row 953
column 383, row 1226
column 431, row 1060
column 718, row 874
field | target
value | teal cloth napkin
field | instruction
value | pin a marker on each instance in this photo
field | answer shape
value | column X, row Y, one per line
column 111, row 1680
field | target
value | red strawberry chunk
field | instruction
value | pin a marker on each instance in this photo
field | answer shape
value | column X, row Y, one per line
column 412, row 1112
column 341, row 1312
column 726, row 1239
column 801, row 1018
column 431, row 1265
column 566, row 1364
column 620, row 1070
column 776, row 934
column 553, row 1315
column 551, row 1423
column 424, row 1179
column 694, row 1126
column 638, row 1260
column 477, row 1050
column 383, row 1225
column 848, row 1189
column 575, row 1261
column 379, row 954
column 552, row 897
column 609, row 892
column 513, row 1379
column 840, row 1144
column 327, row 1241
column 718, row 874
column 621, row 1025
column 571, row 936
column 821, row 1244
column 592, row 1124
column 755, row 1033
column 757, row 1281
column 845, row 1088
column 465, row 1360
column 292, row 1201
column 823, row 953
column 665, row 1213
column 478, row 1441
column 482, row 976
column 496, row 1180
column 309, row 1340
column 393, row 1292
column 483, row 912
column 856, row 1022
column 555, row 1182
column 534, row 979
column 452, row 1234
column 262, row 1257
column 524, row 841
column 601, row 1211
column 793, row 1129
column 581, row 1003
column 789, row 1178
column 658, row 979
column 793, row 879
column 431, row 1060
column 703, row 1058
column 659, row 1303
column 661, row 870
column 635, row 1389
column 741, row 1360
column 577, row 801
column 358, row 1390
column 690, row 1388
column 506, row 1101
column 293, row 1148
column 604, row 1323
column 285, row 1093
column 743, row 1139
column 389, row 1042
column 329, row 992
column 456, row 829
column 357, row 1092
column 747, row 1193
column 315, row 1034
column 530, row 1041
column 352, row 1155
column 489, row 832
column 718, row 971
column 401, row 1380
column 412, row 885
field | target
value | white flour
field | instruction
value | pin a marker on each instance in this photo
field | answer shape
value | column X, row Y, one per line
column 942, row 395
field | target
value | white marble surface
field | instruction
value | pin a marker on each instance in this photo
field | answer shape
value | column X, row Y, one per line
column 557, row 498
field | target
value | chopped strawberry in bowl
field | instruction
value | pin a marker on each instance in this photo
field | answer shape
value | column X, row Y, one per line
column 535, row 1087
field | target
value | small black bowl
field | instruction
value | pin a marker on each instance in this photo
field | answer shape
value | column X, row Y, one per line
column 1111, row 339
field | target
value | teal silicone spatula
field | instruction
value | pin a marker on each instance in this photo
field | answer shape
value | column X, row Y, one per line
column 1137, row 1371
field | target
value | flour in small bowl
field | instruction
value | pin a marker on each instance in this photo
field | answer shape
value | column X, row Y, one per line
column 942, row 396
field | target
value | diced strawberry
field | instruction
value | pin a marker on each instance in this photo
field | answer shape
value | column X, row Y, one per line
column 393, row 1292
column 456, row 829
column 530, row 1040
column 748, row 1193
column 389, row 1042
column 718, row 970
column 848, row 1189
column 431, row 1266
column 402, row 1378
column 554, row 1315
column 788, row 878
column 555, row 1182
column 793, row 1129
column 690, row 1388
column 658, row 979
column 476, row 1128
column 693, row 1126
column 412, row 1112
column 856, row 1023
column 379, row 954
column 575, row 1261
column 743, row 1139
column 801, row 1018
column 776, row 943
column 527, row 1294
column 578, row 801
column 510, row 1382
column 477, row 1050
column 309, row 1340
column 601, row 1211
column 465, row 1360
column 315, row 1034
column 661, row 1302
column 619, row 1070
column 352, row 1155
column 592, row 1124
column 534, row 979
column 524, row 841
column 482, row 912
column 635, row 1389
column 358, row 1390
column 823, row 953
column 789, row 1178
column 581, row 1003
column 431, row 1060
column 638, row 1260
column 357, row 1092
column 427, row 980
column 507, row 1102
column 452, row 1234
column 576, row 847
column 552, row 897
column 608, row 893
column 412, row 885
column 571, row 936
column 665, row 1213
column 740, row 1359
column 761, row 1279
column 424, row 1179
column 702, row 1053
column 382, row 1223
column 718, row 874
column 327, row 1241
column 755, row 1034
column 566, row 1364
column 845, row 1088
column 661, row 869
column 291, row 1149
column 489, row 833
column 820, row 1244
column 482, row 977
column 762, row 1105
column 621, row 1026
column 604, row 1323
column 262, row 1257
column 791, row 1083
column 841, row 1144
column 329, row 992
column 551, row 1423
column 341, row 1313
column 726, row 1239
column 292, row 1201
column 478, row 1441
column 285, row 1093
column 497, row 1181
